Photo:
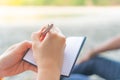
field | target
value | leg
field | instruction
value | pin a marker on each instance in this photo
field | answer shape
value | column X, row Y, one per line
column 105, row 68
column 75, row 77
column 84, row 68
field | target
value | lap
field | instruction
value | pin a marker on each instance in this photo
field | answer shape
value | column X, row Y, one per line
column 75, row 77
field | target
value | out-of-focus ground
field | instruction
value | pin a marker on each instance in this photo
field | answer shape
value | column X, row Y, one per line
column 98, row 24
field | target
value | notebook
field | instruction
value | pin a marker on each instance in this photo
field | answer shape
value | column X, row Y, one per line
column 72, row 50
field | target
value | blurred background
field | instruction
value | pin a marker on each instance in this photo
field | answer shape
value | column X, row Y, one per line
column 98, row 20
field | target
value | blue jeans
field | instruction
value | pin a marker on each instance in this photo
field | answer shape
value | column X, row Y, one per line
column 105, row 68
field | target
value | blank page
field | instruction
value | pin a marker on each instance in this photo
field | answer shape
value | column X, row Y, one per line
column 72, row 50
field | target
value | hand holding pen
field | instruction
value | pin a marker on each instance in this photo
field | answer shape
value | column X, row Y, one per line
column 43, row 34
column 48, row 53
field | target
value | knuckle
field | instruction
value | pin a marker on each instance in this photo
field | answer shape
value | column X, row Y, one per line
column 25, row 42
column 63, row 39
column 60, row 38
column 33, row 35
column 53, row 35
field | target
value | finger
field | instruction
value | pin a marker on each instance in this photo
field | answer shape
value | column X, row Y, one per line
column 45, row 31
column 33, row 68
column 36, row 35
column 58, row 31
column 12, row 47
column 25, row 44
column 53, row 35
column 28, row 66
column 42, row 29
column 53, row 32
column 22, row 47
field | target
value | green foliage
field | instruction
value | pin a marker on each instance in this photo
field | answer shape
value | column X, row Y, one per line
column 62, row 2
column 78, row 2
column 54, row 2
column 101, row 2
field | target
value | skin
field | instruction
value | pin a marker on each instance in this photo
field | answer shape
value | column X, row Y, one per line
column 11, row 62
column 112, row 44
column 48, row 54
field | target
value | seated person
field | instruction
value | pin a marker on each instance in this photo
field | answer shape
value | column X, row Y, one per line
column 91, row 63
column 49, row 63
column 49, row 59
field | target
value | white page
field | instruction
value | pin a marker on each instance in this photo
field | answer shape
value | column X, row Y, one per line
column 73, row 46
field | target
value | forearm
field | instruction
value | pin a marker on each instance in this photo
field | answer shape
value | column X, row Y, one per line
column 112, row 44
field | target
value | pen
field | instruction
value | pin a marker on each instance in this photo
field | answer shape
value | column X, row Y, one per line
column 49, row 27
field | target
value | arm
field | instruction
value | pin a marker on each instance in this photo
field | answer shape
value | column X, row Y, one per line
column 48, row 58
column 111, row 44
column 48, row 54
column 11, row 62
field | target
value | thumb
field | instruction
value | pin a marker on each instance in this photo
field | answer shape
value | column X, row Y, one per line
column 22, row 47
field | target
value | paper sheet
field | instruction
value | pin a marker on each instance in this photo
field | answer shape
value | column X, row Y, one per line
column 73, row 48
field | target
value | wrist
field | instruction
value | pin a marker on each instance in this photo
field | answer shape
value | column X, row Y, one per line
column 49, row 63
column 93, row 52
column 52, row 73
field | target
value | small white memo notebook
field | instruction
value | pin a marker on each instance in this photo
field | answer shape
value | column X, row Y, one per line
column 72, row 50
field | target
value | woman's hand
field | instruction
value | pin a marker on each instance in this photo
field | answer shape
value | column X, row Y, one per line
column 88, row 55
column 48, row 53
column 11, row 62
